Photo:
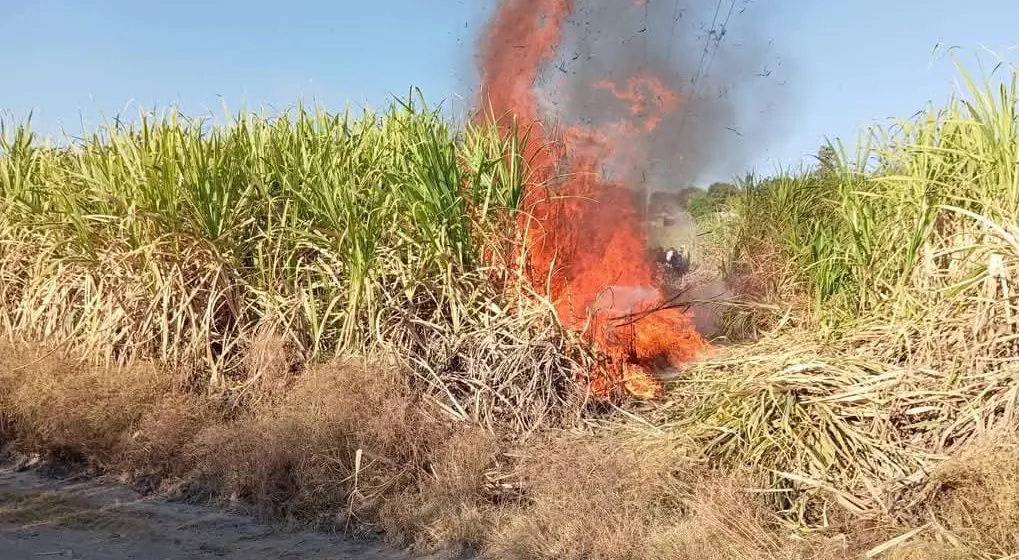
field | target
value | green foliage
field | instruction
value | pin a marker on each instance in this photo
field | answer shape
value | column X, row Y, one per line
column 722, row 190
column 672, row 199
column 861, row 231
column 178, row 240
column 684, row 195
column 827, row 159
column 703, row 204
column 890, row 278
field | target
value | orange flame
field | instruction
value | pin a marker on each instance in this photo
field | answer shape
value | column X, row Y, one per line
column 586, row 247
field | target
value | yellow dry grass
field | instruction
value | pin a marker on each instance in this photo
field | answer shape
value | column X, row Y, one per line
column 350, row 446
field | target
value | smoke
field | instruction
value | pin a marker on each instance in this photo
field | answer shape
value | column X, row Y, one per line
column 643, row 95
column 624, row 300
column 712, row 54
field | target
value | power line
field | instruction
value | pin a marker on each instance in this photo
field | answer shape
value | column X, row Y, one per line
column 672, row 33
column 703, row 69
column 646, row 4
column 722, row 33
column 643, row 66
column 707, row 45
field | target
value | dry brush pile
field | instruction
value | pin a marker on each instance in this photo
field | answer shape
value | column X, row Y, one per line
column 887, row 283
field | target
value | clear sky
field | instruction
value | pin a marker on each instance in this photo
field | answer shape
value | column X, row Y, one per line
column 848, row 62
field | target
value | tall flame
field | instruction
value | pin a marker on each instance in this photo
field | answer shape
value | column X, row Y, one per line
column 586, row 246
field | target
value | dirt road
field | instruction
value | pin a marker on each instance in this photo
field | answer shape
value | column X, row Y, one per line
column 42, row 518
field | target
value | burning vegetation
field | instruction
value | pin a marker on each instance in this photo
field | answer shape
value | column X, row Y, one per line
column 586, row 241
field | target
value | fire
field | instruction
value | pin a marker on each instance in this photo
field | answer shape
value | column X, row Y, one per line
column 586, row 246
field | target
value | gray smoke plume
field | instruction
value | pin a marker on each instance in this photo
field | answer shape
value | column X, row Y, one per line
column 713, row 54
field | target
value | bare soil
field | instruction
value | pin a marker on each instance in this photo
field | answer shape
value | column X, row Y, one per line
column 88, row 520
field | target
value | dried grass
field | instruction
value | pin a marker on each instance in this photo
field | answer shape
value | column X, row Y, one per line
column 354, row 447
column 504, row 368
column 974, row 498
column 888, row 281
column 626, row 495
column 64, row 409
column 345, row 437
column 617, row 495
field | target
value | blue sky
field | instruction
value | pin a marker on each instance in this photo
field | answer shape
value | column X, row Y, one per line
column 846, row 63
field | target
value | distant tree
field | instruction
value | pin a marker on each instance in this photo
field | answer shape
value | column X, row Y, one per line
column 671, row 200
column 723, row 190
column 827, row 160
column 661, row 201
column 684, row 195
column 702, row 204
